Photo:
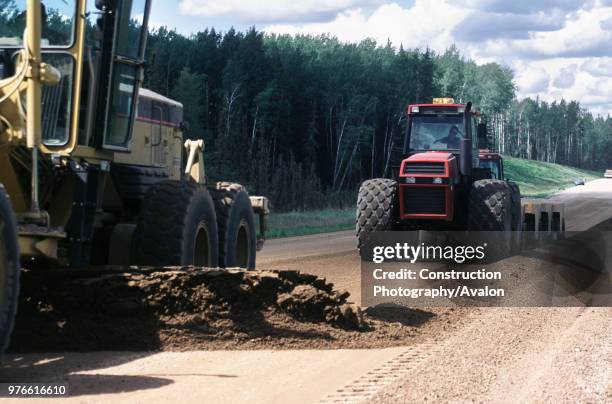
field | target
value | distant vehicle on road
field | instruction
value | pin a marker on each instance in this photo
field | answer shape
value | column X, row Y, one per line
column 579, row 181
column 608, row 174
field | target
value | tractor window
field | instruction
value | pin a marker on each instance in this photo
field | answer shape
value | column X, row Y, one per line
column 438, row 132
column 493, row 165
column 58, row 18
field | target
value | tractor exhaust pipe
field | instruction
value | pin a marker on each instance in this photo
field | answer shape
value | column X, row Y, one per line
column 465, row 157
column 465, row 147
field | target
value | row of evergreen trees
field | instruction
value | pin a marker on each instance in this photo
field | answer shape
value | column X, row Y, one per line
column 305, row 119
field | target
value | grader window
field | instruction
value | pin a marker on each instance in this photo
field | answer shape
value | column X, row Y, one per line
column 121, row 107
column 129, row 40
column 57, row 101
column 129, row 33
column 58, row 20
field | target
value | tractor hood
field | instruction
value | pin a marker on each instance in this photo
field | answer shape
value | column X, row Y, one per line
column 431, row 157
column 429, row 164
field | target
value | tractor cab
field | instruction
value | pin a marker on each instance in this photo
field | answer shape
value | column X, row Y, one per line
column 448, row 180
column 446, row 128
column 493, row 162
column 441, row 160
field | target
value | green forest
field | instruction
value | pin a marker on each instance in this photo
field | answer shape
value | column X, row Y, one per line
column 304, row 120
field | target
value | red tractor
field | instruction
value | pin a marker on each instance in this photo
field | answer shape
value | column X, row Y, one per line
column 444, row 182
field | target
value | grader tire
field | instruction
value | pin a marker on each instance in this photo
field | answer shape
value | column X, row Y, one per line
column 9, row 269
column 376, row 207
column 236, row 226
column 177, row 226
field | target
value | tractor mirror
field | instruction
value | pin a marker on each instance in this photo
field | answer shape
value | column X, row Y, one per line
column 483, row 139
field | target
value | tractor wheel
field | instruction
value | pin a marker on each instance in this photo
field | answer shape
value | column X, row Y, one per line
column 9, row 269
column 236, row 225
column 490, row 206
column 490, row 210
column 376, row 207
column 515, row 203
column 177, row 226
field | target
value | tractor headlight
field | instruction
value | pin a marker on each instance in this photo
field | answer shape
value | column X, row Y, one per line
column 437, row 180
column 410, row 180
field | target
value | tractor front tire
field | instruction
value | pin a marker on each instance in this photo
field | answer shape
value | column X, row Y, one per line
column 236, row 226
column 9, row 269
column 177, row 226
column 376, row 208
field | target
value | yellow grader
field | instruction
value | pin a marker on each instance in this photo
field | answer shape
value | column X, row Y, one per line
column 94, row 169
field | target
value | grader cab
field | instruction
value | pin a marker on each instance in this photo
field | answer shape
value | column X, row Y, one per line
column 94, row 169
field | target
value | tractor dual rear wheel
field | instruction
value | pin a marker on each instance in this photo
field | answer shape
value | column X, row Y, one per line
column 177, row 226
column 490, row 209
column 236, row 226
column 517, row 218
column 490, row 206
column 376, row 207
column 9, row 269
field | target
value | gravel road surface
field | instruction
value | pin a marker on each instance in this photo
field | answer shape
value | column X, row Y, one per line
column 488, row 354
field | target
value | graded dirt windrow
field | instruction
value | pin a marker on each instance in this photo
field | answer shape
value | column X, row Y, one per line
column 193, row 308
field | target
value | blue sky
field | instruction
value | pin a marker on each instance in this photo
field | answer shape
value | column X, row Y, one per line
column 557, row 48
column 169, row 13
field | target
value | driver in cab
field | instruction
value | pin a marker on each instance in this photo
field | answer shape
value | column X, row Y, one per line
column 453, row 139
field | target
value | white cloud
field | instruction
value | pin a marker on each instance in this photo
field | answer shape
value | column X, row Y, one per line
column 580, row 36
column 272, row 10
column 429, row 23
column 598, row 66
column 566, row 77
column 532, row 81
column 557, row 48
column 594, row 93
column 523, row 6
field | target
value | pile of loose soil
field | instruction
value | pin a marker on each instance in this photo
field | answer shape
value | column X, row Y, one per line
column 194, row 308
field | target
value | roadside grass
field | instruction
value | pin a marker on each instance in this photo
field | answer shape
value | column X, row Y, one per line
column 536, row 179
column 312, row 222
column 539, row 180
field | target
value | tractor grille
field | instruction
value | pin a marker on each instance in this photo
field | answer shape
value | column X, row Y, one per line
column 424, row 168
column 425, row 200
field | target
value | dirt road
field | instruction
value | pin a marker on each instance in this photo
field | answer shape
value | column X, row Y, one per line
column 489, row 355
